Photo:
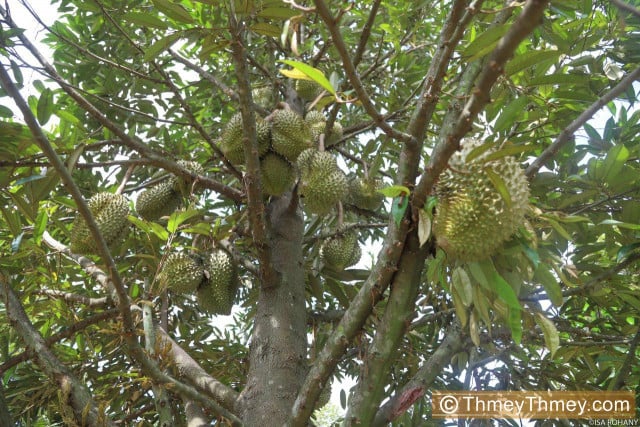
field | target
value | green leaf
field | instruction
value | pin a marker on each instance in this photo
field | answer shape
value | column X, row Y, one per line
column 620, row 224
column 550, row 284
column 505, row 291
column 551, row 335
column 45, row 106
column 174, row 11
column 529, row 59
column 282, row 13
column 499, row 185
column 424, row 227
column 394, row 191
column 510, row 113
column 179, row 217
column 311, row 72
column 515, row 324
column 67, row 117
column 614, row 161
column 461, row 283
column 265, row 29
column 484, row 43
column 145, row 20
column 477, row 271
column 509, row 150
column 399, row 207
column 40, row 225
column 6, row 111
column 16, row 242
column 627, row 250
column 160, row 45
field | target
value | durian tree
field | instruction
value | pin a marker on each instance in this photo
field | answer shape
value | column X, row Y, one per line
column 216, row 212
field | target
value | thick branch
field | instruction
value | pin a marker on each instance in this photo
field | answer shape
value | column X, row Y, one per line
column 75, row 395
column 192, row 371
column 252, row 177
column 426, row 375
column 389, row 332
column 629, row 361
column 524, row 24
column 585, row 116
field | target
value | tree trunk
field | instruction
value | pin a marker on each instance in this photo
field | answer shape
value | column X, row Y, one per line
column 278, row 344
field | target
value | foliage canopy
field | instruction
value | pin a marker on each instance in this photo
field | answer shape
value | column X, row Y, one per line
column 137, row 88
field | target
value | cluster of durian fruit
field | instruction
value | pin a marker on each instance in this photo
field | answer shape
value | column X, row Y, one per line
column 474, row 218
column 213, row 278
column 166, row 196
column 290, row 151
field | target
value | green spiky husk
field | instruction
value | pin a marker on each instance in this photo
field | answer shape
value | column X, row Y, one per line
column 307, row 89
column 230, row 142
column 217, row 293
column 181, row 273
column 110, row 212
column 277, row 174
column 183, row 185
column 473, row 220
column 157, row 201
column 341, row 251
column 363, row 194
column 290, row 135
column 322, row 183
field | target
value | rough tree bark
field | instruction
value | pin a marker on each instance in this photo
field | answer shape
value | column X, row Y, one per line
column 278, row 344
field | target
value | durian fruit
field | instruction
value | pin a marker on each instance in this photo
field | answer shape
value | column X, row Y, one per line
column 217, row 293
column 231, row 143
column 363, row 193
column 325, row 395
column 341, row 250
column 157, row 201
column 110, row 212
column 182, row 184
column 322, row 182
column 317, row 123
column 307, row 89
column 263, row 96
column 290, row 135
column 277, row 174
column 335, row 135
column 181, row 273
column 473, row 219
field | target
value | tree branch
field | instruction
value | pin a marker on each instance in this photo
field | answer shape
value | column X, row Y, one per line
column 192, row 371
column 524, row 24
column 75, row 395
column 426, row 375
column 155, row 158
column 399, row 310
column 626, row 7
column 352, row 74
column 252, row 177
column 66, row 333
column 629, row 361
column 585, row 116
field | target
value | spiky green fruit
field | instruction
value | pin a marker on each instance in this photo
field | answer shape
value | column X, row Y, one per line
column 335, row 135
column 307, row 89
column 290, row 135
column 314, row 116
column 341, row 250
column 325, row 395
column 183, row 185
column 110, row 212
column 231, row 141
column 322, row 183
column 473, row 218
column 363, row 193
column 181, row 273
column 263, row 96
column 217, row 293
column 157, row 201
column 277, row 174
